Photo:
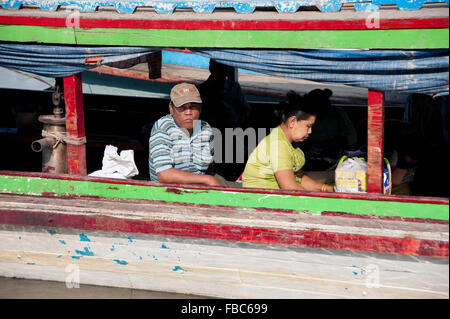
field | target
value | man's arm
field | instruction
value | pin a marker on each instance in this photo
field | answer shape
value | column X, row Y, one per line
column 177, row 176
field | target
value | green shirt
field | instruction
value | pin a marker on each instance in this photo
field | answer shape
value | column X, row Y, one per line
column 274, row 153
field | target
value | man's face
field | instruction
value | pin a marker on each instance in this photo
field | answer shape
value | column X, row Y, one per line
column 186, row 114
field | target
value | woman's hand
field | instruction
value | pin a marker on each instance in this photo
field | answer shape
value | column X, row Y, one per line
column 327, row 188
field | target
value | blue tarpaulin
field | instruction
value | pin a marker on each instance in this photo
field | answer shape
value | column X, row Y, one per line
column 61, row 61
column 403, row 71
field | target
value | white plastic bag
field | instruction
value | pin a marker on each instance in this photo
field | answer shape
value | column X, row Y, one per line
column 117, row 166
column 351, row 176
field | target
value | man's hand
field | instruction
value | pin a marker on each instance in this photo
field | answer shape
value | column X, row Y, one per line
column 211, row 180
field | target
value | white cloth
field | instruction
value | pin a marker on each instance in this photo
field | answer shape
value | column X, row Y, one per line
column 115, row 165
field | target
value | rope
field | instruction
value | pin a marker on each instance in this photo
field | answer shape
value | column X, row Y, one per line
column 61, row 137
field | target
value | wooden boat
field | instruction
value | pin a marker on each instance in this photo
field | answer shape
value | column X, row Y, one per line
column 233, row 243
column 223, row 242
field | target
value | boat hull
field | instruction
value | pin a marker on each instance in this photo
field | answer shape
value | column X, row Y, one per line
column 214, row 268
column 226, row 252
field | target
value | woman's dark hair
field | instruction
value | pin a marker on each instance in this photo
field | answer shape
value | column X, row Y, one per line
column 295, row 105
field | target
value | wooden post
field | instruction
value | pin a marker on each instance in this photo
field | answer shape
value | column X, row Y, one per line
column 73, row 96
column 233, row 74
column 375, row 141
column 154, row 62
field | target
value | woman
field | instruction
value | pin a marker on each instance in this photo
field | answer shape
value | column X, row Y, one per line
column 276, row 163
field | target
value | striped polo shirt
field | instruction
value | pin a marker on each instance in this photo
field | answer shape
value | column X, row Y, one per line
column 171, row 147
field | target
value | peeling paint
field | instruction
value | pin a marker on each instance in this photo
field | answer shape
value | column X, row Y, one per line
column 83, row 237
column 51, row 231
column 85, row 252
column 178, row 268
column 121, row 262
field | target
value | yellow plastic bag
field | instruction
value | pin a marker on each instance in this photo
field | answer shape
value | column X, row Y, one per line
column 351, row 175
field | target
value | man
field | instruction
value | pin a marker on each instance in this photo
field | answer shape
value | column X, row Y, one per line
column 223, row 100
column 224, row 106
column 181, row 145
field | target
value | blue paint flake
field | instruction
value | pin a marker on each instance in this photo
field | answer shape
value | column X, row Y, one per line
column 176, row 268
column 76, row 257
column 164, row 246
column 51, row 232
column 121, row 262
column 31, row 263
column 85, row 252
column 83, row 237
column 355, row 273
column 112, row 248
column 130, row 239
column 62, row 241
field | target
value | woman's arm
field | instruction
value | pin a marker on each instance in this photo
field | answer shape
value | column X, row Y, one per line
column 311, row 185
column 286, row 180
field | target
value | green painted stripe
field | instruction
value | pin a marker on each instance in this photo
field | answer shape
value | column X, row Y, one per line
column 345, row 39
column 21, row 33
column 313, row 205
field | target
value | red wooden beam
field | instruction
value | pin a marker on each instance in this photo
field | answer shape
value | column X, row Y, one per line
column 204, row 24
column 375, row 141
column 76, row 150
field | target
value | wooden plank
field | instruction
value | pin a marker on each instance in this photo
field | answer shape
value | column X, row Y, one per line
column 301, row 230
column 214, row 268
column 289, row 201
column 307, row 39
column 375, row 142
column 239, row 6
column 232, row 24
column 73, row 96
